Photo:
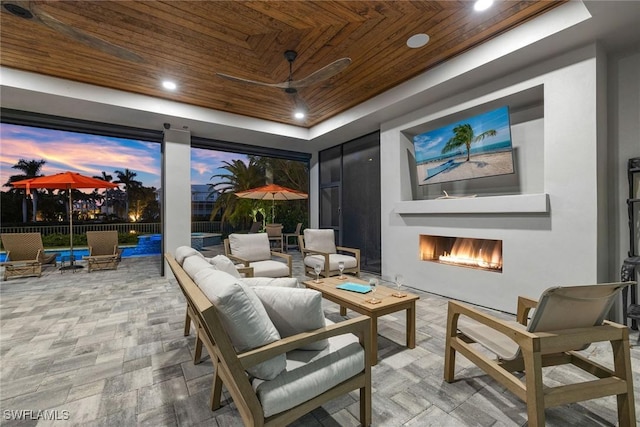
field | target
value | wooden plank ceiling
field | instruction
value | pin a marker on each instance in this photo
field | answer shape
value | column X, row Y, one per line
column 190, row 41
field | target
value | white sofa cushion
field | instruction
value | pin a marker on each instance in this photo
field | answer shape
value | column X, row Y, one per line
column 269, row 268
column 243, row 317
column 309, row 373
column 252, row 247
column 193, row 264
column 283, row 282
column 222, row 263
column 322, row 240
column 293, row 311
column 183, row 252
column 334, row 259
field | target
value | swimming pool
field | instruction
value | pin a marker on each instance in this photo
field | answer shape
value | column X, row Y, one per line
column 148, row 245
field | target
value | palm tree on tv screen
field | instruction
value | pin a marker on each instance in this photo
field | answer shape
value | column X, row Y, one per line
column 464, row 135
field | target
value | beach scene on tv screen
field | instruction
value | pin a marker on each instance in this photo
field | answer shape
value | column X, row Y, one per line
column 475, row 147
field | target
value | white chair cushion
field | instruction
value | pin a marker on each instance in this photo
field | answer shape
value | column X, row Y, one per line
column 243, row 317
column 252, row 247
column 193, row 264
column 222, row 263
column 269, row 268
column 334, row 259
column 283, row 282
column 293, row 311
column 309, row 373
column 184, row 252
column 322, row 240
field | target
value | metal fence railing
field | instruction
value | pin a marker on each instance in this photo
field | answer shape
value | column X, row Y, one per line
column 127, row 227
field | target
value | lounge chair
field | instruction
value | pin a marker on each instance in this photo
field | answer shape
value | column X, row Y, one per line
column 104, row 253
column 318, row 247
column 566, row 320
column 277, row 377
column 25, row 255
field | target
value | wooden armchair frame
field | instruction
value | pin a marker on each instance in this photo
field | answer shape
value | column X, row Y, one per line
column 540, row 349
column 230, row 367
column 104, row 253
column 25, row 255
column 326, row 270
column 247, row 263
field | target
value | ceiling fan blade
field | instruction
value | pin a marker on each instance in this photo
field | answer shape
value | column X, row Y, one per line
column 44, row 18
column 253, row 82
column 324, row 73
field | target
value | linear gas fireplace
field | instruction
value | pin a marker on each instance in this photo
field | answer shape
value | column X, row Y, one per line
column 484, row 254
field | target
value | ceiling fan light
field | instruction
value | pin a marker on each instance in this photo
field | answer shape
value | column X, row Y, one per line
column 481, row 5
column 169, row 85
column 417, row 40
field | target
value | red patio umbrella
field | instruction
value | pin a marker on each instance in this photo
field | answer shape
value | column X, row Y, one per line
column 272, row 192
column 65, row 181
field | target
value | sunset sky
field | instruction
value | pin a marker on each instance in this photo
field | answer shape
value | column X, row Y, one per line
column 92, row 154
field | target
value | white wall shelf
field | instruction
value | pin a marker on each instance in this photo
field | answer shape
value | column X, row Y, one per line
column 519, row 203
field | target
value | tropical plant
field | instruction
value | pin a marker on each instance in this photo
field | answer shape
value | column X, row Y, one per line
column 30, row 169
column 240, row 176
column 108, row 192
column 126, row 177
column 464, row 135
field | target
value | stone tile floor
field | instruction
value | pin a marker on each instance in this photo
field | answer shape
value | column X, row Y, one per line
column 106, row 349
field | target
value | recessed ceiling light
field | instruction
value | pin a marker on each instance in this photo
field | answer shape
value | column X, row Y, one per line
column 417, row 40
column 169, row 85
column 481, row 5
column 299, row 115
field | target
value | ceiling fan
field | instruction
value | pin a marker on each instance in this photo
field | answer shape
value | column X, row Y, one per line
column 30, row 10
column 291, row 86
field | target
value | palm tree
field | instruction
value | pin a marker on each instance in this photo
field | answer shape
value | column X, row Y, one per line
column 106, row 177
column 30, row 169
column 241, row 176
column 127, row 178
column 464, row 135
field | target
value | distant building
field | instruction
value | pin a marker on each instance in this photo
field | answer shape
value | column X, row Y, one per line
column 202, row 200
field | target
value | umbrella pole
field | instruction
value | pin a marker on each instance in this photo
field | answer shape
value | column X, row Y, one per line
column 71, row 260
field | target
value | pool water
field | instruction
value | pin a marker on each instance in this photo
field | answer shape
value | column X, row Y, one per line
column 147, row 245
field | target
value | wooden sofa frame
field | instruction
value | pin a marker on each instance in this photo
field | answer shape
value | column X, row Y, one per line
column 230, row 367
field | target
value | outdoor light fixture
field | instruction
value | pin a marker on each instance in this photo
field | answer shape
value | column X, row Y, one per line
column 481, row 5
column 417, row 40
column 169, row 85
column 299, row 114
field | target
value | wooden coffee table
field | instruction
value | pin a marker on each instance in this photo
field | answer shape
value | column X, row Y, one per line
column 358, row 303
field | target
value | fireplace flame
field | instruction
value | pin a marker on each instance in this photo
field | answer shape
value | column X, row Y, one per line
column 467, row 252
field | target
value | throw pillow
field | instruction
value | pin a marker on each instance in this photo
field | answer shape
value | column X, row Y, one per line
column 222, row 263
column 243, row 317
column 294, row 310
column 184, row 252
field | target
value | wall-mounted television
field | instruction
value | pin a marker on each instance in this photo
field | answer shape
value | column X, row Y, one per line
column 476, row 147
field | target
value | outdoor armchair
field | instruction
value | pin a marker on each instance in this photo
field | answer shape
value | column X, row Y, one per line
column 294, row 235
column 24, row 255
column 318, row 247
column 104, row 253
column 276, row 239
column 254, row 250
column 566, row 320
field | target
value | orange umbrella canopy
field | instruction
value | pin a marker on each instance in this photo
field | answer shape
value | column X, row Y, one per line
column 272, row 192
column 63, row 181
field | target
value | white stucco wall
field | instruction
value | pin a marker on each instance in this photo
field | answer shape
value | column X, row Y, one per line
column 176, row 190
column 540, row 250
